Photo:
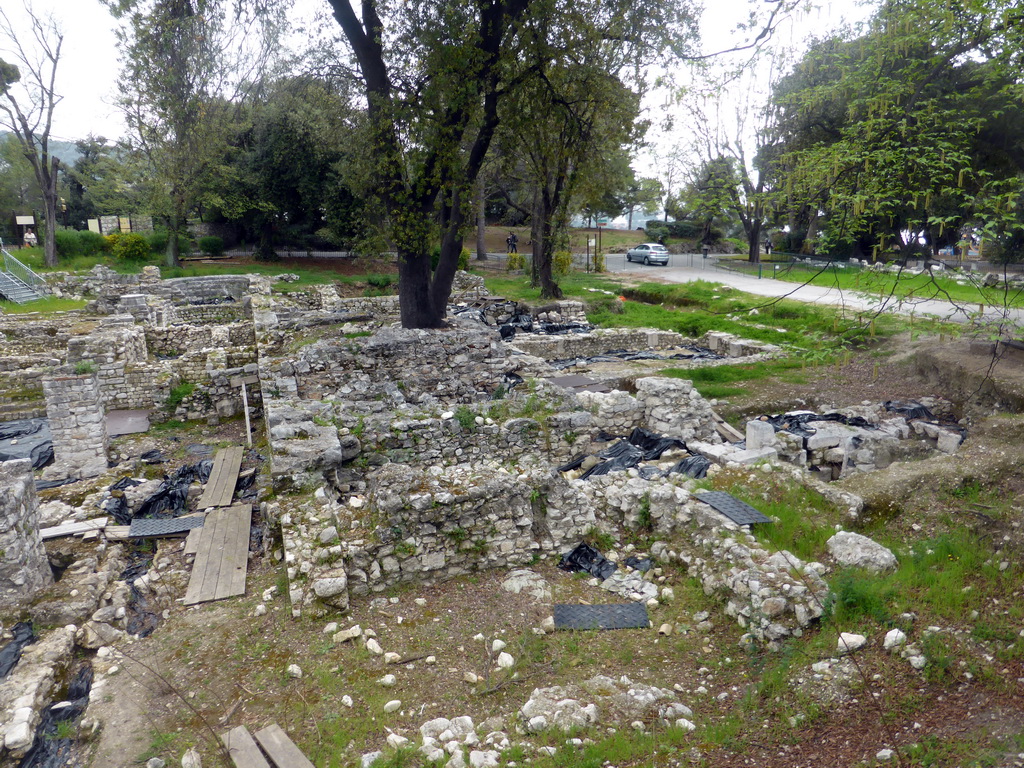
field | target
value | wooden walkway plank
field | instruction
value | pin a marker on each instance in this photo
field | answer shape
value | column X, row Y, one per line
column 220, row 488
column 73, row 529
column 243, row 749
column 281, row 749
column 202, row 585
column 219, row 569
column 235, row 562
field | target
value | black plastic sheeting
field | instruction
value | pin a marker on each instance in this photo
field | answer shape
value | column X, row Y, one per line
column 693, row 466
column 170, row 497
column 909, row 410
column 27, row 439
column 11, row 653
column 653, row 444
column 48, row 750
column 641, row 445
column 585, row 558
column 617, row 355
column 619, row 456
column 524, row 323
column 796, row 421
column 42, row 485
column 139, row 620
column 642, row 564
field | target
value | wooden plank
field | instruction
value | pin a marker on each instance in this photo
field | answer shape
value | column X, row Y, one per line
column 221, row 486
column 192, row 541
column 243, row 749
column 202, row 585
column 281, row 749
column 117, row 532
column 235, row 562
column 219, row 569
column 73, row 529
column 726, row 430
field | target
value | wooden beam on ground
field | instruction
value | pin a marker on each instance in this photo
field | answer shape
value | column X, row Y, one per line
column 116, row 532
column 244, row 751
column 220, row 489
column 222, row 556
column 73, row 529
column 726, row 430
column 281, row 749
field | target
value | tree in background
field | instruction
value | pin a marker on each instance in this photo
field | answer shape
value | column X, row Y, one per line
column 434, row 76
column 920, row 131
column 186, row 69
column 99, row 183
column 27, row 102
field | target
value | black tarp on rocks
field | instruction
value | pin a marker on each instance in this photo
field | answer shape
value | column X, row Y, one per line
column 653, row 444
column 49, row 749
column 617, row 355
column 626, row 453
column 908, row 410
column 10, row 654
column 692, row 466
column 585, row 558
column 619, row 456
column 27, row 439
column 170, row 497
column 796, row 422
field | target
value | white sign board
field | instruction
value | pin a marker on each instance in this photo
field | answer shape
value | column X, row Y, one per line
column 25, row 221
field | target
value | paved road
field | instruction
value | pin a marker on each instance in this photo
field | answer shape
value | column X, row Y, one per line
column 687, row 268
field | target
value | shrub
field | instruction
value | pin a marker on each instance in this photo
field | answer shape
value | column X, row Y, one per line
column 598, row 263
column 561, row 263
column 380, row 281
column 158, row 242
column 211, row 245
column 656, row 230
column 131, row 247
column 514, row 262
column 68, row 244
column 464, row 259
column 112, row 239
column 92, row 242
column 71, row 243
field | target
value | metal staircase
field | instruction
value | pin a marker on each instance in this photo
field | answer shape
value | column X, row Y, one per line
column 18, row 283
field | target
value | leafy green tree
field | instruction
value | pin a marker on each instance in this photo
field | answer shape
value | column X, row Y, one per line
column 27, row 103
column 186, row 68
column 99, row 183
column 434, row 76
column 924, row 129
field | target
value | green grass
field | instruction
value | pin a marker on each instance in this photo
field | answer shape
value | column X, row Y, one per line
column 720, row 380
column 45, row 305
column 804, row 518
column 573, row 286
column 904, row 286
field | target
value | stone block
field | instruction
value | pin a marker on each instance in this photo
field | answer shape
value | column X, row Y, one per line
column 760, row 434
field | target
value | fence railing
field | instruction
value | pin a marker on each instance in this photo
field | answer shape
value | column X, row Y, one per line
column 19, row 270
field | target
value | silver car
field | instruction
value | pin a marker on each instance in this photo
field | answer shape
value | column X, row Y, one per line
column 648, row 253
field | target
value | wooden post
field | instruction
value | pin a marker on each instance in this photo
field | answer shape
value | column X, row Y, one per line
column 245, row 410
column 242, row 381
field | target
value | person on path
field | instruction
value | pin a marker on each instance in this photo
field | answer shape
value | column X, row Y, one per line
column 512, row 241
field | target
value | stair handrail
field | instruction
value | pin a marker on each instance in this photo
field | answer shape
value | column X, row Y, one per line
column 19, row 270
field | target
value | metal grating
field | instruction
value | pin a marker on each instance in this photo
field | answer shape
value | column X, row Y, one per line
column 163, row 526
column 738, row 511
column 619, row 616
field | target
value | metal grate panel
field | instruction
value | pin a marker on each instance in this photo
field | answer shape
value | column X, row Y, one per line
column 738, row 511
column 619, row 616
column 163, row 526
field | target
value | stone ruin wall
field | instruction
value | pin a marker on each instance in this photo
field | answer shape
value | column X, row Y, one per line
column 24, row 567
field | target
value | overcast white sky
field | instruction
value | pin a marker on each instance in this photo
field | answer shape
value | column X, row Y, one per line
column 88, row 71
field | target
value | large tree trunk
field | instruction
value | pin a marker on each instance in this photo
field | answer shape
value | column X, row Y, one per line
column 547, row 207
column 414, row 295
column 481, row 220
column 172, row 256
column 754, row 240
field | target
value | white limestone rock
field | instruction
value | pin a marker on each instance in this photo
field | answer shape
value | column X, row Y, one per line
column 853, row 549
